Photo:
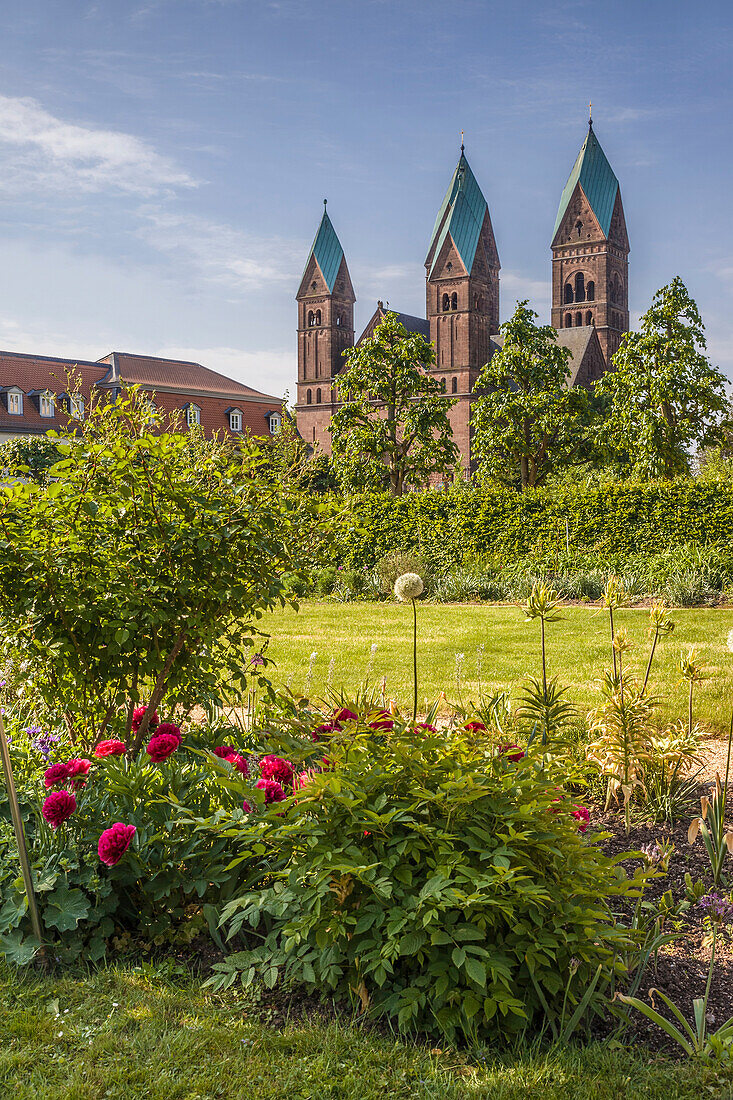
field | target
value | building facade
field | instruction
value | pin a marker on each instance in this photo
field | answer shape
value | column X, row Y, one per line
column 589, row 294
column 39, row 392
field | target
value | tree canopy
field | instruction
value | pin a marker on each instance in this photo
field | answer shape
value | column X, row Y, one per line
column 663, row 396
column 393, row 429
column 527, row 420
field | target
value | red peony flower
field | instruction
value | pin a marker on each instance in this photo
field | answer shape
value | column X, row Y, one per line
column 382, row 721
column 582, row 814
column 110, row 748
column 344, row 715
column 474, row 726
column 246, row 807
column 273, row 790
column 239, row 762
column 327, row 727
column 114, row 842
column 274, row 767
column 137, row 717
column 57, row 773
column 425, row 727
column 58, row 808
column 224, row 751
column 161, row 746
column 78, row 767
column 512, row 752
column 168, row 729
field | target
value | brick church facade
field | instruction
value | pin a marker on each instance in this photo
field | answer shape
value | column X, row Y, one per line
column 589, row 294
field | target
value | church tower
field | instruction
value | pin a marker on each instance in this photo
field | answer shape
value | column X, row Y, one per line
column 462, row 291
column 590, row 251
column 325, row 329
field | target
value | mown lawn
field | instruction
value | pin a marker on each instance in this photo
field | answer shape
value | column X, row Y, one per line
column 499, row 640
column 144, row 1034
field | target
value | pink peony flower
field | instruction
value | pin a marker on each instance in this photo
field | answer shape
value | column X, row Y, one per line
column 382, row 721
column 274, row 767
column 161, row 746
column 224, row 751
column 474, row 726
column 137, row 716
column 114, row 842
column 425, row 727
column 78, row 771
column 512, row 752
column 168, row 729
column 58, row 808
column 110, row 748
column 273, row 790
column 327, row 727
column 246, row 807
column 57, row 773
column 239, row 762
column 582, row 814
column 344, row 715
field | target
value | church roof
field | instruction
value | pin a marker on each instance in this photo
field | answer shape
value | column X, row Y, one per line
column 461, row 215
column 327, row 251
column 411, row 323
column 595, row 175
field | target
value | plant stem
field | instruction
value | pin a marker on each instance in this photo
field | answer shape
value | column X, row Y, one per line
column 689, row 711
column 651, row 658
column 613, row 651
column 414, row 660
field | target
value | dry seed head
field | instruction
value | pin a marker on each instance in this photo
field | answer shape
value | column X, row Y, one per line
column 408, row 587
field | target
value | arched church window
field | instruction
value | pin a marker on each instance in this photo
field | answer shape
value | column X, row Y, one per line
column 446, row 303
column 568, row 293
column 311, row 318
column 590, row 291
column 454, row 301
column 580, row 287
column 579, row 227
column 589, row 318
column 318, row 397
column 454, row 386
column 318, row 316
column 578, row 319
column 338, row 320
column 568, row 320
column 449, row 266
column 313, row 286
column 308, row 397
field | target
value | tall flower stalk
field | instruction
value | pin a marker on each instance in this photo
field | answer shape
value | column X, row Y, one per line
column 691, row 671
column 614, row 597
column 407, row 588
column 542, row 604
column 662, row 625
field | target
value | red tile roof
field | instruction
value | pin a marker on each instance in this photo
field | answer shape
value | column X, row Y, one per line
column 177, row 376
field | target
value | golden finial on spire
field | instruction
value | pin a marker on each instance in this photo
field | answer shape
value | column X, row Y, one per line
column 461, row 140
column 590, row 114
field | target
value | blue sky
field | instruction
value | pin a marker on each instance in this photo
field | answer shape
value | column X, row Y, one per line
column 163, row 162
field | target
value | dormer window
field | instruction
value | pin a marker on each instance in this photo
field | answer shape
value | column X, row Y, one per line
column 274, row 421
column 15, row 402
column 73, row 403
column 235, row 420
column 47, row 403
column 193, row 415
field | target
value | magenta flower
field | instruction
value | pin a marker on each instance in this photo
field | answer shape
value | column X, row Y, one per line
column 114, row 842
column 58, row 808
column 168, row 729
column 57, row 773
column 273, row 791
column 224, row 751
column 582, row 814
column 344, row 715
column 274, row 767
column 110, row 748
column 512, row 752
column 161, row 746
column 382, row 721
column 246, row 807
column 137, row 717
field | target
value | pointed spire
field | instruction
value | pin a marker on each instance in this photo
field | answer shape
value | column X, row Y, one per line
column 461, row 214
column 326, row 250
column 597, row 179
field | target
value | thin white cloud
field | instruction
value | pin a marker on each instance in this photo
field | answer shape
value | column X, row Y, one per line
column 516, row 287
column 271, row 372
column 45, row 151
column 224, row 255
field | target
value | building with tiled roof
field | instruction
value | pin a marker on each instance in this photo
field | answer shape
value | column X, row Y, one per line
column 34, row 393
column 589, row 294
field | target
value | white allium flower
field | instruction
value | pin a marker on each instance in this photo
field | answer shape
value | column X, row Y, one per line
column 730, row 641
column 408, row 587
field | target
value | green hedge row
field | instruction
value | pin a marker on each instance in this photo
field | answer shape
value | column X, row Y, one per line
column 471, row 521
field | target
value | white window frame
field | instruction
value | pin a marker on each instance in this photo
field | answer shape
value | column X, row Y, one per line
column 47, row 404
column 193, row 416
column 15, row 397
column 76, row 406
column 235, row 420
column 274, row 423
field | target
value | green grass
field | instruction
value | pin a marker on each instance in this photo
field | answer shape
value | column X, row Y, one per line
column 578, row 651
column 137, row 1034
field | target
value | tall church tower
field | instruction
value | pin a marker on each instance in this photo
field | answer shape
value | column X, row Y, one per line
column 590, row 250
column 462, row 292
column 325, row 329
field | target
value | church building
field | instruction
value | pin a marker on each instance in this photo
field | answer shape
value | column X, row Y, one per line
column 590, row 251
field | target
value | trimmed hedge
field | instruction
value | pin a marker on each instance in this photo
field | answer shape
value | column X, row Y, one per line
column 471, row 521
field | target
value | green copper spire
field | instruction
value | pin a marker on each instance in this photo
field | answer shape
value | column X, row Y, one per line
column 595, row 175
column 461, row 215
column 327, row 251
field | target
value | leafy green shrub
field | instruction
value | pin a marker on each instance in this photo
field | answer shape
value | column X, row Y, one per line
column 393, row 564
column 164, row 889
column 430, row 878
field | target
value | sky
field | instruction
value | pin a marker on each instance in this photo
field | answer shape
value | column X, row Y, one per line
column 163, row 163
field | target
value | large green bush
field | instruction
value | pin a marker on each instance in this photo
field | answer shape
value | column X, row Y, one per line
column 472, row 520
column 431, row 878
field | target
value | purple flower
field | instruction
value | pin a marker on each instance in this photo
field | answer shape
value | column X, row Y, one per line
column 718, row 906
column 42, row 742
